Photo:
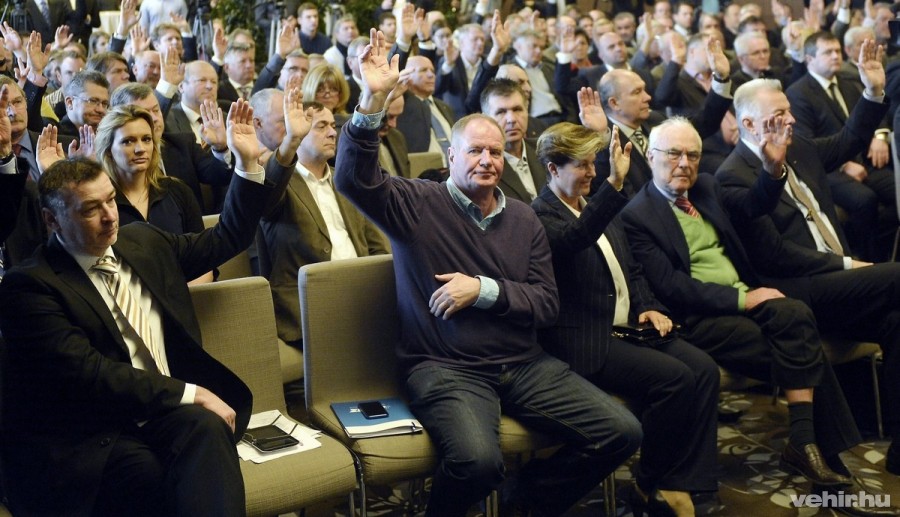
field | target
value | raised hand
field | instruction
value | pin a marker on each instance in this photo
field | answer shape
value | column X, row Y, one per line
column 63, row 37
column 288, row 40
column 567, row 40
column 406, row 25
column 83, row 147
column 212, row 126
column 220, row 44
column 871, row 69
column 297, row 123
column 423, row 25
column 128, row 17
column 773, row 143
column 500, row 39
column 49, row 151
column 241, row 135
column 12, row 40
column 37, row 59
column 619, row 160
column 171, row 69
column 21, row 72
column 400, row 89
column 179, row 21
column 718, row 62
column 378, row 76
column 139, row 40
column 451, row 52
column 590, row 111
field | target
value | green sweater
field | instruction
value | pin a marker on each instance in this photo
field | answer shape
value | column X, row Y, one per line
column 708, row 260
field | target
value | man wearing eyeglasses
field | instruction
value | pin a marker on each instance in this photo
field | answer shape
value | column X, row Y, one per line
column 692, row 256
column 87, row 99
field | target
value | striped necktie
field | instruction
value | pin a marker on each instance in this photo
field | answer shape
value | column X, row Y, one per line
column 686, row 206
column 130, row 307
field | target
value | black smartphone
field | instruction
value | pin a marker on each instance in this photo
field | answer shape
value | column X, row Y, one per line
column 268, row 438
column 372, row 409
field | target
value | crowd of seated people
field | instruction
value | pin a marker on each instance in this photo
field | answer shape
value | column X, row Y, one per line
column 724, row 182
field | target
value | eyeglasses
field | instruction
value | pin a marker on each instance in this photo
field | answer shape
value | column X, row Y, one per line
column 93, row 102
column 674, row 155
column 327, row 90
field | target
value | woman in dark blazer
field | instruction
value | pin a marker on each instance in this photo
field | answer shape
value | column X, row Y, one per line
column 673, row 385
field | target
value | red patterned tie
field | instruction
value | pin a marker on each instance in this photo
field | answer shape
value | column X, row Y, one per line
column 686, row 206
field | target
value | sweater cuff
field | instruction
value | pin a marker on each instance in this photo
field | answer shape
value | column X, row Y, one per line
column 488, row 294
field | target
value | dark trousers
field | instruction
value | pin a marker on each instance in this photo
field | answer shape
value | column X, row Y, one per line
column 861, row 201
column 461, row 409
column 182, row 463
column 778, row 342
column 676, row 390
column 863, row 305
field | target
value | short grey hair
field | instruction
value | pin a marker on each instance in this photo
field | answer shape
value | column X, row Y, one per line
column 680, row 123
column 742, row 42
column 746, row 99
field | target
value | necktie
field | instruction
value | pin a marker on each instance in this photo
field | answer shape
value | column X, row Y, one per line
column 108, row 267
column 838, row 98
column 439, row 132
column 801, row 197
column 45, row 11
column 638, row 138
column 245, row 91
column 686, row 206
column 17, row 149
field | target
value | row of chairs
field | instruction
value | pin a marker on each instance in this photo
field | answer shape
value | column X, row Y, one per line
column 348, row 355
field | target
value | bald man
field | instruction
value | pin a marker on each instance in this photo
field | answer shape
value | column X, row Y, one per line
column 201, row 82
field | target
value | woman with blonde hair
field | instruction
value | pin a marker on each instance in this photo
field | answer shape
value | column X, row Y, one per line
column 326, row 85
column 127, row 149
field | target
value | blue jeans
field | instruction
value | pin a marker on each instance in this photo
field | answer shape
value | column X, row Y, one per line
column 461, row 409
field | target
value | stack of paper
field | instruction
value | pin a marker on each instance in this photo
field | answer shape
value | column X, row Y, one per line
column 305, row 435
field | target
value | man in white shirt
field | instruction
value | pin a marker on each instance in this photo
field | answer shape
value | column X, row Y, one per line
column 310, row 222
column 523, row 177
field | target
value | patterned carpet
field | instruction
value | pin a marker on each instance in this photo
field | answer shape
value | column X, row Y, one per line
column 750, row 482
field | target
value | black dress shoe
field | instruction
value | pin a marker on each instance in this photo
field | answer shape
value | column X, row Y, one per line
column 810, row 464
column 653, row 504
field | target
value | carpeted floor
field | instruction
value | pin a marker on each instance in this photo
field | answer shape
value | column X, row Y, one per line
column 750, row 482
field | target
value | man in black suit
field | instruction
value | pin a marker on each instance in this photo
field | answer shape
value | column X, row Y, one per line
column 791, row 245
column 101, row 418
column 703, row 69
column 822, row 101
column 200, row 84
column 236, row 80
column 523, row 176
column 458, row 67
column 29, row 231
column 87, row 99
column 694, row 261
column 545, row 104
column 625, row 101
column 393, row 155
column 47, row 15
column 425, row 122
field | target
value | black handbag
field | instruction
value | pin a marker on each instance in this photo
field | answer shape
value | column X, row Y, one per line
column 644, row 335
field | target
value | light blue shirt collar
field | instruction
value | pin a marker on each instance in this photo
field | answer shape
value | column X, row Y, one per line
column 471, row 209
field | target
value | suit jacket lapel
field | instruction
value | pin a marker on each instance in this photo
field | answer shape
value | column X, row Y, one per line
column 70, row 273
column 301, row 190
column 753, row 164
column 538, row 174
column 511, row 182
column 670, row 227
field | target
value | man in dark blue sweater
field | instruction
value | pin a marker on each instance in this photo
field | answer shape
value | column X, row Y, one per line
column 475, row 281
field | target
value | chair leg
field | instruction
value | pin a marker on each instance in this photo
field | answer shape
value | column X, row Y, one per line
column 492, row 504
column 877, row 391
column 609, row 495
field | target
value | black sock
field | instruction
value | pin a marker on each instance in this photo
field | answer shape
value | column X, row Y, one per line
column 802, row 429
